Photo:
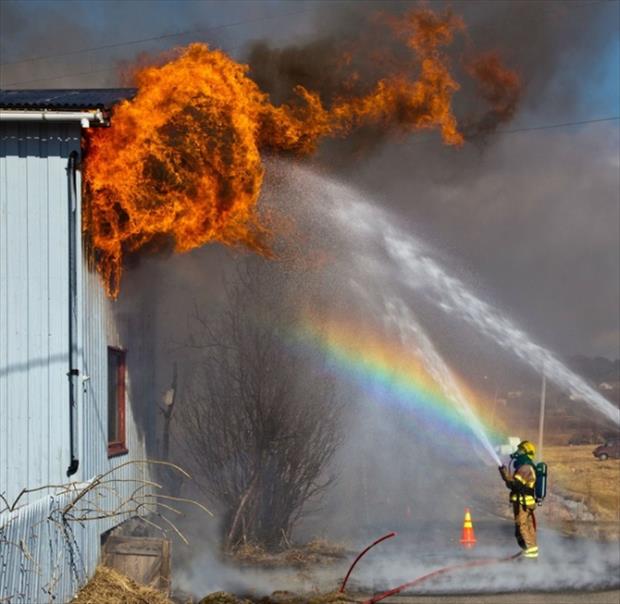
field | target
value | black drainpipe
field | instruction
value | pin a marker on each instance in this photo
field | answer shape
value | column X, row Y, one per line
column 73, row 370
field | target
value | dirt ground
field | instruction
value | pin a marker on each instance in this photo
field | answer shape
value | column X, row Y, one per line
column 583, row 493
column 578, row 473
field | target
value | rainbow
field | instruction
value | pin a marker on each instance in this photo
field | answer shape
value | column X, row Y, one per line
column 384, row 371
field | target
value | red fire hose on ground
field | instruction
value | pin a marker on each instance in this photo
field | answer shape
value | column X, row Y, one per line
column 362, row 553
column 437, row 572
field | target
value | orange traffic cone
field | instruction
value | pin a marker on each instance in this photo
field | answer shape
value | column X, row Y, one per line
column 468, row 538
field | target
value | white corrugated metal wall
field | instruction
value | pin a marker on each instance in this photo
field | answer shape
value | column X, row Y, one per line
column 34, row 390
column 40, row 559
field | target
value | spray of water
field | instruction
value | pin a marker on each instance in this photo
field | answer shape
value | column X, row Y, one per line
column 453, row 294
column 399, row 317
column 415, row 267
column 414, row 335
column 383, row 255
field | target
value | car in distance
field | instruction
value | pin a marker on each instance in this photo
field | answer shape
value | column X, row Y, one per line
column 611, row 449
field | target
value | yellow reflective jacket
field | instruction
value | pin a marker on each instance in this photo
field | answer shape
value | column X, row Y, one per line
column 522, row 485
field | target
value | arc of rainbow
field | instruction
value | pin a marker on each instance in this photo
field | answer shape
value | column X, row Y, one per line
column 383, row 369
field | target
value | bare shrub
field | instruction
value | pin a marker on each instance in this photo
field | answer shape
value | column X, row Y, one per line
column 260, row 419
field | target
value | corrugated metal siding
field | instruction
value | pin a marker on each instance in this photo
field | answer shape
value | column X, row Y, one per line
column 77, row 98
column 34, row 389
column 42, row 560
column 33, row 304
column 101, row 327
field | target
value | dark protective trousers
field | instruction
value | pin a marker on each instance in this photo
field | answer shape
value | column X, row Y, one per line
column 525, row 527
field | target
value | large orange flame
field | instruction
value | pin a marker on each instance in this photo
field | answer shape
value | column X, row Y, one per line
column 181, row 163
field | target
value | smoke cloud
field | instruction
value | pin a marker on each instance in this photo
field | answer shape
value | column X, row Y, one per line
column 548, row 194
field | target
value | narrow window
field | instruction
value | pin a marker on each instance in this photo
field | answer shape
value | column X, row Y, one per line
column 116, row 402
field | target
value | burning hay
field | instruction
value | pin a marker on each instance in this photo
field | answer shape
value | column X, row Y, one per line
column 111, row 587
column 181, row 165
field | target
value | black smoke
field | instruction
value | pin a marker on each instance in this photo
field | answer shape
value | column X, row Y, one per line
column 532, row 216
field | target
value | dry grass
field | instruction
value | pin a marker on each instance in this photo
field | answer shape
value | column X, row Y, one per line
column 584, row 478
column 111, row 587
column 283, row 597
column 222, row 597
column 315, row 552
column 584, row 493
column 279, row 597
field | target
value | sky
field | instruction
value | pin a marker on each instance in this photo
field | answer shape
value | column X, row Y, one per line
column 531, row 216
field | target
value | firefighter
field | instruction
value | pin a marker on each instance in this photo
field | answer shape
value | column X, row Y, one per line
column 522, row 482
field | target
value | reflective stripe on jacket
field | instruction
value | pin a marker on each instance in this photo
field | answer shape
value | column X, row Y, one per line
column 522, row 485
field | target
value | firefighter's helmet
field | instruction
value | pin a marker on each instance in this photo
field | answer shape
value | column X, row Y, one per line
column 527, row 447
